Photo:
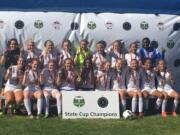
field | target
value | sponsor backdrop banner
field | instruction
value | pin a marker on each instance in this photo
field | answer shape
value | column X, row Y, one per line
column 57, row 26
column 90, row 104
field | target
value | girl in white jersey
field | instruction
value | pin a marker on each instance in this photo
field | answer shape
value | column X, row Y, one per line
column 49, row 53
column 32, row 89
column 104, row 77
column 67, row 77
column 66, row 52
column 30, row 53
column 116, row 52
column 119, row 81
column 48, row 79
column 100, row 56
column 165, row 85
column 132, row 53
column 133, row 82
column 13, row 87
column 148, row 84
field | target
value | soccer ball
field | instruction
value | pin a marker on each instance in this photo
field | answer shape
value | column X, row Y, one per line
column 128, row 114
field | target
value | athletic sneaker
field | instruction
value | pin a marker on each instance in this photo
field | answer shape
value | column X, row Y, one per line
column 141, row 114
column 174, row 114
column 164, row 114
column 46, row 116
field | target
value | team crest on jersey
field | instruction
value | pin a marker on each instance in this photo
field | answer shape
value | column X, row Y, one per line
column 79, row 101
column 38, row 24
column 144, row 25
column 56, row 25
column 91, row 25
column 102, row 102
column 109, row 25
column 176, row 26
column 160, row 26
column 126, row 26
column 74, row 26
column 19, row 24
column 2, row 24
column 170, row 44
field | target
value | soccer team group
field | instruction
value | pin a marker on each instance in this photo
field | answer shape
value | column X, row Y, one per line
column 138, row 73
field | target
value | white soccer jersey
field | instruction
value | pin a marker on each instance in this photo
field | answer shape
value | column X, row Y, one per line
column 99, row 59
column 129, row 57
column 50, row 77
column 164, row 81
column 64, row 55
column 148, row 80
column 50, row 56
column 119, row 80
column 133, row 79
column 104, row 82
column 32, row 81
column 13, row 81
column 114, row 56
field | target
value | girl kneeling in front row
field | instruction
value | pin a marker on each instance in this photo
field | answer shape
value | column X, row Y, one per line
column 48, row 80
column 32, row 89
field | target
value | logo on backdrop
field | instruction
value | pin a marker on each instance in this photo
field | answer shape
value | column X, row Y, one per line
column 19, row 24
column 74, row 26
column 91, row 25
column 144, row 25
column 177, row 63
column 38, row 24
column 160, row 26
column 109, row 25
column 170, row 44
column 56, row 25
column 126, row 26
column 102, row 102
column 79, row 101
column 176, row 26
column 2, row 24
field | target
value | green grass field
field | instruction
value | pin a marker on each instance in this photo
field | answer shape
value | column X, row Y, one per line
column 151, row 125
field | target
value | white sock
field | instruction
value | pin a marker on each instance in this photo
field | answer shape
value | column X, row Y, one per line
column 58, row 103
column 27, row 104
column 175, row 105
column 47, row 105
column 123, row 102
column 140, row 104
column 164, row 103
column 146, row 103
column 158, row 103
column 39, row 105
column 134, row 104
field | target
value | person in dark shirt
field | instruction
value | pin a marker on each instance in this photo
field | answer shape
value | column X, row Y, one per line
column 11, row 54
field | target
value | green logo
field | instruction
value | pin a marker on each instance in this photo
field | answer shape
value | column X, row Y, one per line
column 79, row 101
column 144, row 25
column 38, row 24
column 91, row 25
column 170, row 44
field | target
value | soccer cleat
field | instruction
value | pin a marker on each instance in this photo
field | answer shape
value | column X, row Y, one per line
column 141, row 114
column 164, row 114
column 174, row 114
column 46, row 116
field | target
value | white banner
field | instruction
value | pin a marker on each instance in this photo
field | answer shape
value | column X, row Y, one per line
column 90, row 104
